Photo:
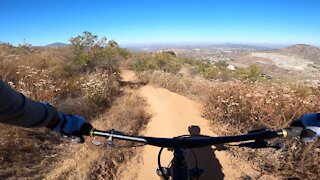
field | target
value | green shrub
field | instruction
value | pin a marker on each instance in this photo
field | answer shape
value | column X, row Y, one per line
column 82, row 60
column 221, row 64
column 203, row 68
column 90, row 53
column 172, row 64
column 23, row 49
column 209, row 72
column 142, row 65
column 252, row 73
column 161, row 61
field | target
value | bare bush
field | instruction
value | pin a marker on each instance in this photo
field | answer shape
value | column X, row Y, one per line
column 89, row 162
column 250, row 106
column 101, row 87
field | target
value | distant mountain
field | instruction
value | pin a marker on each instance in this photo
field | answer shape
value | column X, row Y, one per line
column 303, row 51
column 57, row 44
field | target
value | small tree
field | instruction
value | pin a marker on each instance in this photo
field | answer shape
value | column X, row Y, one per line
column 24, row 48
column 113, row 44
column 87, row 49
column 254, row 73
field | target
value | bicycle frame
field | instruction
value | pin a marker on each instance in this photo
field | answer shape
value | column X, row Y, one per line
column 179, row 168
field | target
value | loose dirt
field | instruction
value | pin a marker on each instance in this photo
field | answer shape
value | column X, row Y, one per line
column 128, row 76
column 172, row 114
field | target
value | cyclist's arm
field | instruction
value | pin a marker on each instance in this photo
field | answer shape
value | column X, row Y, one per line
column 16, row 109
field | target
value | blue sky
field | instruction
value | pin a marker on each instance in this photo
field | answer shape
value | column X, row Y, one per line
column 41, row 22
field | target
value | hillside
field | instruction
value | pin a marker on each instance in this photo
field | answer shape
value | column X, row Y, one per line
column 303, row 51
column 299, row 61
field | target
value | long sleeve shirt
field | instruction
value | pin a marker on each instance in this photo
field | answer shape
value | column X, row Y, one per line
column 16, row 109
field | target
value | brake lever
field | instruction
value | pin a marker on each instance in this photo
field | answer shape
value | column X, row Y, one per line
column 110, row 134
column 260, row 144
column 109, row 143
column 96, row 143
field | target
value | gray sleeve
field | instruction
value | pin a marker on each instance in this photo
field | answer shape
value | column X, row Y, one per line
column 16, row 109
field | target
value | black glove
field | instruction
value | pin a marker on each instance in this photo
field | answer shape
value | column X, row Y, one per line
column 72, row 125
column 311, row 126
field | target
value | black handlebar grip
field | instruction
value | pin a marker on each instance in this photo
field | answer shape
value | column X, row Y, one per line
column 86, row 129
column 292, row 132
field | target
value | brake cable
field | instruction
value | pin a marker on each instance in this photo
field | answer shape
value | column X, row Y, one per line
column 159, row 164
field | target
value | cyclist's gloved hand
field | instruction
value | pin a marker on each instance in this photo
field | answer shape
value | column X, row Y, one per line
column 72, row 125
column 311, row 126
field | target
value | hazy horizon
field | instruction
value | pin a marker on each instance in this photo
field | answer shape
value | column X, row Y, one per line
column 184, row 44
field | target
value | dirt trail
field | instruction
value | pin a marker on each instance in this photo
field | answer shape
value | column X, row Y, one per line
column 128, row 76
column 172, row 114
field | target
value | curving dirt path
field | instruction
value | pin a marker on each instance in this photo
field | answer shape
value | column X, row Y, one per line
column 172, row 114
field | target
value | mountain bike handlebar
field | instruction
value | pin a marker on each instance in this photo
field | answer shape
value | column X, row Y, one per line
column 199, row 141
column 179, row 168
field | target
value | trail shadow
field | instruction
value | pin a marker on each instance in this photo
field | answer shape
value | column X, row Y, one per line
column 205, row 158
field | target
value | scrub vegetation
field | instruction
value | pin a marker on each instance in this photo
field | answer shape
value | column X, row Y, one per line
column 83, row 78
column 245, row 101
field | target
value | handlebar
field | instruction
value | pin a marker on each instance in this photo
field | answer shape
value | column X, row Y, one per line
column 178, row 168
column 199, row 141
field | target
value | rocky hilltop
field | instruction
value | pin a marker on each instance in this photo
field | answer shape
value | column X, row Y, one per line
column 302, row 51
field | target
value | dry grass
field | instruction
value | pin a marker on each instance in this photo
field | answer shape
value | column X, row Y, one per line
column 189, row 86
column 245, row 107
column 89, row 162
column 259, row 105
column 25, row 153
column 48, row 74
